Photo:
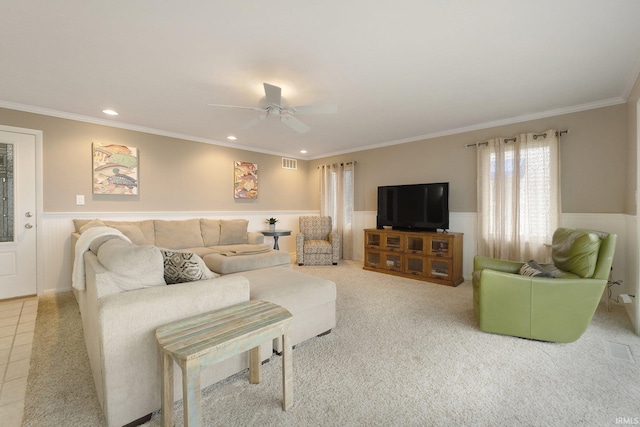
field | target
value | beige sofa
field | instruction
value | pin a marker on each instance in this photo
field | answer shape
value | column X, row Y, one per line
column 218, row 242
column 119, row 325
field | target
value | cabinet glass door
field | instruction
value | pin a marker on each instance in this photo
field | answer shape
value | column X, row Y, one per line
column 440, row 247
column 373, row 259
column 439, row 268
column 393, row 262
column 373, row 240
column 393, row 242
column 415, row 265
column 415, row 244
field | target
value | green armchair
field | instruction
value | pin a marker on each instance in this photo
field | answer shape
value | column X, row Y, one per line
column 557, row 309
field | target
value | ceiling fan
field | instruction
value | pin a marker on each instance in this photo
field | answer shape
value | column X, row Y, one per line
column 273, row 104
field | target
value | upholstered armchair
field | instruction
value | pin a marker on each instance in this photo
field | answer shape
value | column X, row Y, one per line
column 508, row 300
column 317, row 244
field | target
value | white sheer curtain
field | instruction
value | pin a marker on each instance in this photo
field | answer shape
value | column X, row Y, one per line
column 518, row 196
column 336, row 201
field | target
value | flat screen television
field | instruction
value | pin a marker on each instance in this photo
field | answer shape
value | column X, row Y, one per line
column 420, row 207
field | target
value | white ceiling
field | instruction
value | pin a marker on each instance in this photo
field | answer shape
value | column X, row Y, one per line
column 398, row 70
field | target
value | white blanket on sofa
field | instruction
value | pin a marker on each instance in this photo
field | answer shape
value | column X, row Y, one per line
column 84, row 241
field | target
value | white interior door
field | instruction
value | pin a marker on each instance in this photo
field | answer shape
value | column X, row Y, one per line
column 18, row 237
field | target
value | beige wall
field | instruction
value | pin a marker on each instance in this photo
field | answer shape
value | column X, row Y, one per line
column 633, row 249
column 596, row 171
column 632, row 147
column 593, row 161
column 174, row 174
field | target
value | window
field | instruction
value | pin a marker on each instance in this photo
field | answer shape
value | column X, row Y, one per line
column 518, row 196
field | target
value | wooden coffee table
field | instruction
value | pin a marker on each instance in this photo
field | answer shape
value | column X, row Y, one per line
column 209, row 338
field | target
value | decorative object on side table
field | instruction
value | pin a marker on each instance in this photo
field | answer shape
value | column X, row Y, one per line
column 272, row 223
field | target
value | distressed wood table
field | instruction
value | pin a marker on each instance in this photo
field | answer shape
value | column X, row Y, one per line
column 205, row 339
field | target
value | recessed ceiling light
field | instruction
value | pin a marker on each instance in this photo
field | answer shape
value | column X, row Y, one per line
column 110, row 112
column 303, row 151
column 231, row 138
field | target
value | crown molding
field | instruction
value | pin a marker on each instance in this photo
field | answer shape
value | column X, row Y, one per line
column 503, row 122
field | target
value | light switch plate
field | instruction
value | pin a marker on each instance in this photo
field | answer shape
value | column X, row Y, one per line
column 80, row 199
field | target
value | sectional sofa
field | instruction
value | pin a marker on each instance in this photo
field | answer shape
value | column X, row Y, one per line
column 121, row 270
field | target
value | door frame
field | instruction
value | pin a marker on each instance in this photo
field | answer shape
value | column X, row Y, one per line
column 39, row 200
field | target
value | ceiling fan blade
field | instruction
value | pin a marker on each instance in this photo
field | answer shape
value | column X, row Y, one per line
column 295, row 124
column 254, row 122
column 236, row 106
column 273, row 94
column 314, row 109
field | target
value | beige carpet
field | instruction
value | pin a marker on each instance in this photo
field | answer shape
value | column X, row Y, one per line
column 404, row 353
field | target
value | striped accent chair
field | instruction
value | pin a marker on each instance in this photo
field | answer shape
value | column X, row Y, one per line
column 317, row 243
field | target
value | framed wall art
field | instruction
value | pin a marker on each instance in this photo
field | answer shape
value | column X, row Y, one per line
column 245, row 180
column 115, row 169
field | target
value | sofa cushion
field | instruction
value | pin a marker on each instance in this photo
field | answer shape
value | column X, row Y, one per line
column 223, row 264
column 210, row 231
column 576, row 251
column 135, row 266
column 293, row 290
column 244, row 249
column 181, row 267
column 178, row 234
column 132, row 231
column 317, row 247
column 86, row 225
column 147, row 228
column 233, row 231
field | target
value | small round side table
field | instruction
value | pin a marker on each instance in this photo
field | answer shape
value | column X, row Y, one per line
column 276, row 234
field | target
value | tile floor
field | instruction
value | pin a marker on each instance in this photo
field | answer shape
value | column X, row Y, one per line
column 17, row 323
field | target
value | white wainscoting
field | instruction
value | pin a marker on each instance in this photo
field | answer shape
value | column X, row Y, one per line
column 631, row 286
column 59, row 226
column 466, row 222
column 57, row 229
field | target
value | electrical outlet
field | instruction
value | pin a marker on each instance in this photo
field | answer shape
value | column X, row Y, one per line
column 625, row 298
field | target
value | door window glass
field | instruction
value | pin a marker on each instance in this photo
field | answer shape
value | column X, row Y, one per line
column 6, row 193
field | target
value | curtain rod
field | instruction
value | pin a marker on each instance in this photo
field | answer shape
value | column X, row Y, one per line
column 341, row 164
column 507, row 140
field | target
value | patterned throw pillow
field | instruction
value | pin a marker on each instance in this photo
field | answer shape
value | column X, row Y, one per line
column 180, row 267
column 534, row 269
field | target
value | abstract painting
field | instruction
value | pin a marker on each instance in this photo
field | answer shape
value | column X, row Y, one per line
column 245, row 180
column 115, row 169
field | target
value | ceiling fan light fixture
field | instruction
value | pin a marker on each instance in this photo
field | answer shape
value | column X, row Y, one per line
column 273, row 104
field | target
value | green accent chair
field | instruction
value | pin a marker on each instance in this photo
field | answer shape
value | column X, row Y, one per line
column 557, row 309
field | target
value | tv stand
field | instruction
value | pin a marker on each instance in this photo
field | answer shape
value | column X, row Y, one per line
column 423, row 255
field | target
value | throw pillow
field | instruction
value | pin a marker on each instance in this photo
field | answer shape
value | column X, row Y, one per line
column 534, row 269
column 233, row 231
column 180, row 267
column 133, row 232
